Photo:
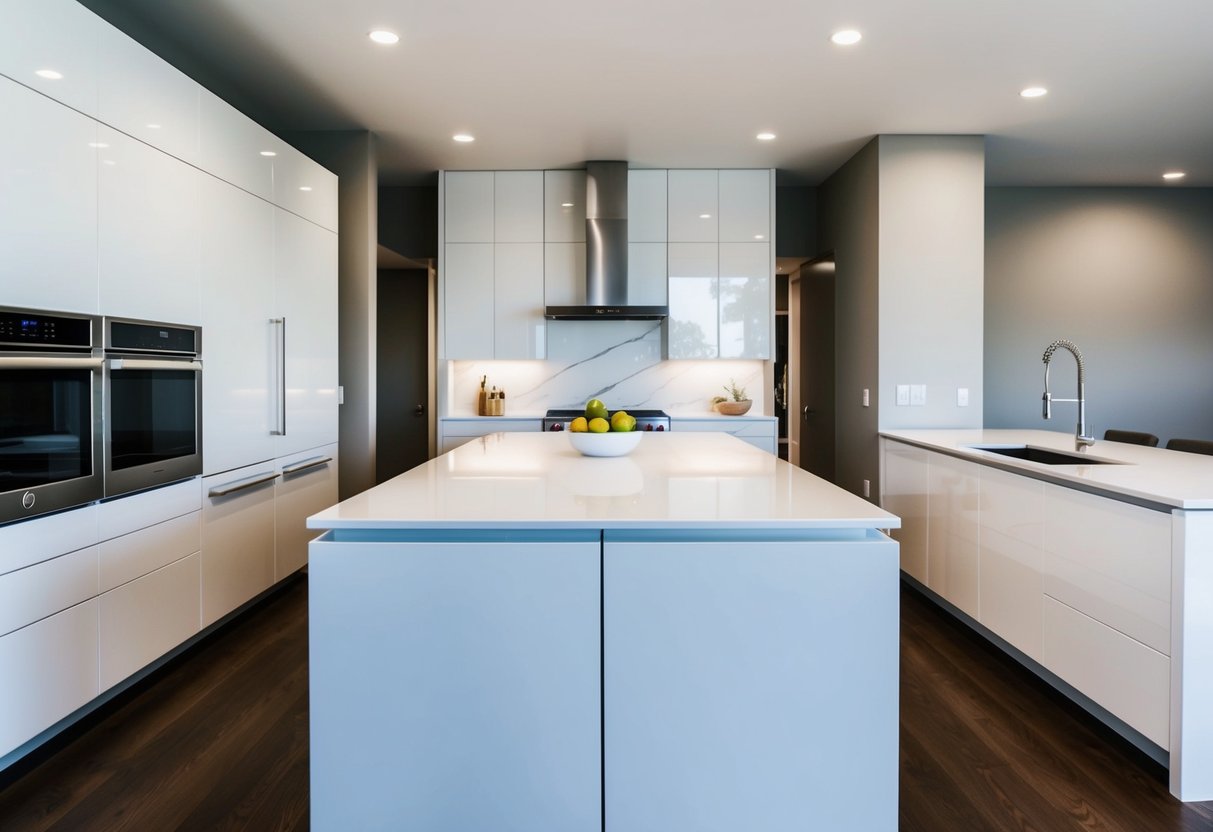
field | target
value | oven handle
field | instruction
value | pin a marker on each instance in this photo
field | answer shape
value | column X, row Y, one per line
column 240, row 485
column 154, row 364
column 30, row 362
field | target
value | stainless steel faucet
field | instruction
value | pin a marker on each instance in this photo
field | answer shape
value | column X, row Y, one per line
column 1081, row 440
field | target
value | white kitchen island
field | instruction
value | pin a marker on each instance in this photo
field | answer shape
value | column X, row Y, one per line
column 515, row 637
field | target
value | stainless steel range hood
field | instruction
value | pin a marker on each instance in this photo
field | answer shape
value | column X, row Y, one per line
column 606, row 250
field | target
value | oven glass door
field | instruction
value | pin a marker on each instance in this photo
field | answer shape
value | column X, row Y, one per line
column 153, row 417
column 46, row 427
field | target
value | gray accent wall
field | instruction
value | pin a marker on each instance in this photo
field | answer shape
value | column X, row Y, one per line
column 1127, row 274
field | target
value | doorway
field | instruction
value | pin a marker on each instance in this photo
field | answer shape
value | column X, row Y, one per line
column 811, row 398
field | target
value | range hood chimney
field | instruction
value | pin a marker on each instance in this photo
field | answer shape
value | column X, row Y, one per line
column 606, row 250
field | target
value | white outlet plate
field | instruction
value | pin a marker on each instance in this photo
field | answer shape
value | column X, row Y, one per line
column 903, row 395
column 866, row 398
column 962, row 396
column 918, row 395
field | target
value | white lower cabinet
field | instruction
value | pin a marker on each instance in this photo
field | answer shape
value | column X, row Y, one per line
column 905, row 483
column 1012, row 522
column 45, row 588
column 953, row 521
column 759, row 432
column 456, row 432
column 308, row 484
column 237, row 538
column 49, row 670
column 145, row 618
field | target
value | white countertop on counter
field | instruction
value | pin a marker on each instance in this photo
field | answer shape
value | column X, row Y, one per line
column 1172, row 478
column 703, row 480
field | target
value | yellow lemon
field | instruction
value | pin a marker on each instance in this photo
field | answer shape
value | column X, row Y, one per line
column 624, row 423
column 595, row 409
column 578, row 425
column 599, row 425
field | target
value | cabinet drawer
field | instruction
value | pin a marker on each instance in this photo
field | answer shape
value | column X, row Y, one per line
column 1121, row 674
column 46, row 588
column 308, row 485
column 144, row 619
column 27, row 543
column 138, row 511
column 1111, row 561
column 1012, row 523
column 56, row 663
column 237, row 538
column 131, row 556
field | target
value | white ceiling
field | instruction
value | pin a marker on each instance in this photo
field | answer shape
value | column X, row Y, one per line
column 666, row 83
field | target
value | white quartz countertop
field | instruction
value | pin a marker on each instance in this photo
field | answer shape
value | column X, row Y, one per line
column 1156, row 475
column 670, row 481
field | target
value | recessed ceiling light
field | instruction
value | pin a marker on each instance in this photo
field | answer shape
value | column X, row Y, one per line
column 765, row 137
column 383, row 36
column 305, row 187
column 760, row 236
column 97, row 144
column 566, row 205
column 268, row 153
column 153, row 127
column 464, row 137
column 1174, row 174
column 108, row 162
column 49, row 74
column 846, row 37
column 705, row 216
column 1033, row 92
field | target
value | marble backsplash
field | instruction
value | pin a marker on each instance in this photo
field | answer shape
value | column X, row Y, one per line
column 619, row 362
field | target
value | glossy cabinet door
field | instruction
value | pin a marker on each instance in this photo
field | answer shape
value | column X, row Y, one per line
column 905, row 491
column 468, row 206
column 237, row 538
column 237, row 334
column 1011, row 557
column 144, row 619
column 305, row 187
column 952, row 568
column 48, row 211
column 146, row 97
column 564, row 274
column 518, row 323
column 468, row 303
column 55, row 660
column 647, row 209
column 745, row 300
column 518, row 206
column 57, row 38
column 694, row 300
column 305, row 301
column 648, row 284
column 30, row 594
column 564, row 206
column 693, row 200
column 232, row 146
column 308, row 484
column 148, row 214
column 745, row 206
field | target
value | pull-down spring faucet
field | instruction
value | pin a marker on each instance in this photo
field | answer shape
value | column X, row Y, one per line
column 1081, row 440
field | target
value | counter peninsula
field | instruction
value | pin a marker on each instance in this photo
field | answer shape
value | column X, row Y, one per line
column 694, row 636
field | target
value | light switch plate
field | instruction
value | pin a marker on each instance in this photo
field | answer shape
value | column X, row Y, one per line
column 962, row 396
column 866, row 398
column 918, row 395
column 903, row 395
column 340, row 394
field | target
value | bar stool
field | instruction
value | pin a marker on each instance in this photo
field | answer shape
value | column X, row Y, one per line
column 1192, row 446
column 1132, row 437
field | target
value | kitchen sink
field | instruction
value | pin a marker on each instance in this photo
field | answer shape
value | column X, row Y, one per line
column 1042, row 455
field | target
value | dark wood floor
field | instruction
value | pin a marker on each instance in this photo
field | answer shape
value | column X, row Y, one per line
column 218, row 740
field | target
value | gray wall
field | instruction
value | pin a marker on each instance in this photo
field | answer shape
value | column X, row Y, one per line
column 795, row 221
column 848, row 225
column 1127, row 274
column 408, row 220
column 351, row 155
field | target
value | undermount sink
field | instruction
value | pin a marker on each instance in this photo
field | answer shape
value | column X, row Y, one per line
column 1042, row 455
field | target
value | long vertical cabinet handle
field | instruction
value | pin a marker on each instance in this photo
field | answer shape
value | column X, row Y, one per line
column 279, row 377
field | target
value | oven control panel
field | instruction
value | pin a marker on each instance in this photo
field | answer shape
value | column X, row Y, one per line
column 36, row 329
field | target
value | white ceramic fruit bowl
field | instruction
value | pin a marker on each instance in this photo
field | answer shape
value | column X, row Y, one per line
column 605, row 444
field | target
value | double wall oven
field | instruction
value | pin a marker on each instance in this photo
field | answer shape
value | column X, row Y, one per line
column 94, row 407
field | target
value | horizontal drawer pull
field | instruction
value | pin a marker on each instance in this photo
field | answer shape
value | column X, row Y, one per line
column 240, row 485
column 306, row 465
column 154, row 364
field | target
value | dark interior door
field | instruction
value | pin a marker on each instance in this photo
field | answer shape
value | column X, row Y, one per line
column 817, row 372
column 402, row 436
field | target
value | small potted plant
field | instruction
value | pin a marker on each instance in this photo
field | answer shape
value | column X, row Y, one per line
column 736, row 404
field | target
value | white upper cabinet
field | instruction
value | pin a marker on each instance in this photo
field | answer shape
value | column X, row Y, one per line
column 518, row 207
column 694, row 311
column 519, row 331
column 745, row 300
column 647, row 282
column 145, row 97
column 564, row 206
column 468, row 305
column 745, row 205
column 304, row 186
column 148, row 216
column 51, row 46
column 469, row 208
column 564, row 274
column 305, row 300
column 647, row 206
column 237, row 256
column 48, row 204
column 693, row 206
column 233, row 147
